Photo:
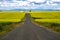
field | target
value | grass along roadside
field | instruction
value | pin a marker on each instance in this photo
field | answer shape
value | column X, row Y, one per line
column 50, row 20
column 9, row 20
column 53, row 24
column 7, row 27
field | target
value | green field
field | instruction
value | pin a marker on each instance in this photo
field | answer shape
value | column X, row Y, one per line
column 47, row 19
column 11, row 16
column 8, row 20
column 46, row 15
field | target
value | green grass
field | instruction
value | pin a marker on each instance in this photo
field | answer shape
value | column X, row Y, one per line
column 8, row 20
column 46, row 15
column 11, row 16
column 6, row 27
column 50, row 20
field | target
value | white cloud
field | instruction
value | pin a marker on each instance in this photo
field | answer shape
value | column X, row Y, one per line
column 28, row 5
column 55, row 0
column 37, row 1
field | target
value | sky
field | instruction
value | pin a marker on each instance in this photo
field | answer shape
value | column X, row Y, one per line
column 29, row 4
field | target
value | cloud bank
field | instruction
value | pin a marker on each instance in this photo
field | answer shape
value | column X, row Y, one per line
column 29, row 4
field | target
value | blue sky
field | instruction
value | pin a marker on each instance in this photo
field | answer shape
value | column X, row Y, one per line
column 29, row 4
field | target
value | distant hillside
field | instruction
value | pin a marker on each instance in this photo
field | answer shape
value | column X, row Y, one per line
column 35, row 10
